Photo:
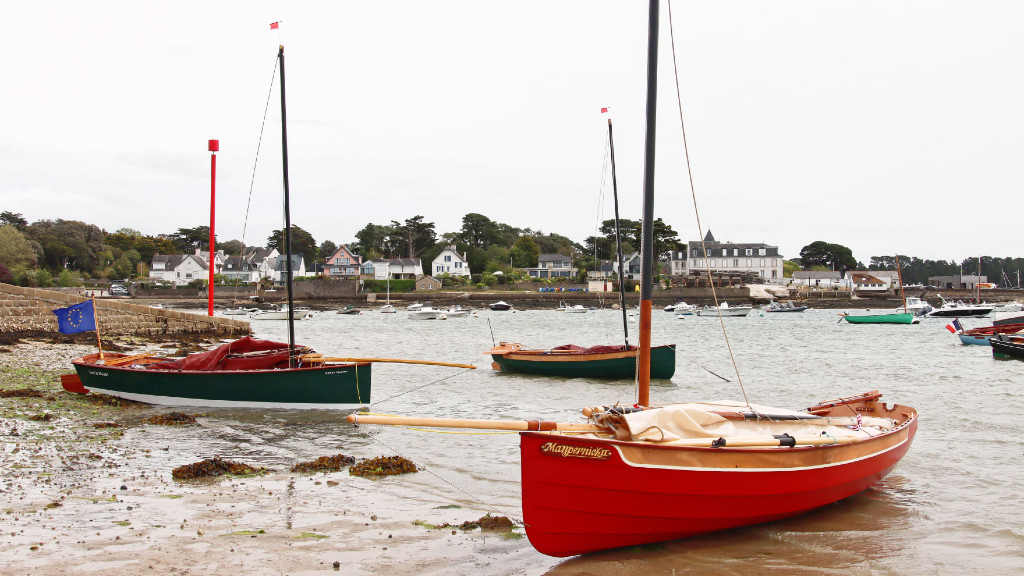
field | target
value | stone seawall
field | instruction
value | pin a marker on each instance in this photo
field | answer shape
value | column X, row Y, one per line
column 31, row 310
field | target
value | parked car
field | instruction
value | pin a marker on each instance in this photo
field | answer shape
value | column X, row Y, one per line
column 118, row 290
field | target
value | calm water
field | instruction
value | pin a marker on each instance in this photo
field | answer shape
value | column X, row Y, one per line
column 953, row 505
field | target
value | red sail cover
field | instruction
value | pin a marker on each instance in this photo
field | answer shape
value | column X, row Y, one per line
column 268, row 355
column 574, row 349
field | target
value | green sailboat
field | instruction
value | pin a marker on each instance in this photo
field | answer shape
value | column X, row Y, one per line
column 893, row 318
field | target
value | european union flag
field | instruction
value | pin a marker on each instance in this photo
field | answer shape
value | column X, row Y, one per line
column 77, row 318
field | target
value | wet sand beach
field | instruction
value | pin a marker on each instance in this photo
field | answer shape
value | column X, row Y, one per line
column 79, row 497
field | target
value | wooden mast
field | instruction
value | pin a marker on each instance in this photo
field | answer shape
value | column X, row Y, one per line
column 287, row 218
column 618, row 238
column 647, row 230
column 899, row 276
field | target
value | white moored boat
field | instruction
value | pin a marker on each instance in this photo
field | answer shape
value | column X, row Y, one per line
column 725, row 310
column 281, row 313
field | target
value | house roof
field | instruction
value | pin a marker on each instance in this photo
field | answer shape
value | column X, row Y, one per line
column 237, row 263
column 400, row 261
column 862, row 278
column 890, row 274
column 172, row 261
column 709, row 237
column 297, row 263
column 553, row 258
column 258, row 253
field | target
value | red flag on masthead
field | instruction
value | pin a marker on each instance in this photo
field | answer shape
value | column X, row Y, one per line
column 274, row 25
column 604, row 110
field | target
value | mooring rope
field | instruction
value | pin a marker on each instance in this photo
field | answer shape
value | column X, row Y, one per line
column 377, row 403
column 700, row 228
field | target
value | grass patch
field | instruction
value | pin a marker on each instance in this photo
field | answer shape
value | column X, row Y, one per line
column 312, row 535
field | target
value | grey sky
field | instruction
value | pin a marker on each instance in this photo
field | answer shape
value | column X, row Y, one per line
column 884, row 126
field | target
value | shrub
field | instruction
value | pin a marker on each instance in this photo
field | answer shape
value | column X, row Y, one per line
column 43, row 279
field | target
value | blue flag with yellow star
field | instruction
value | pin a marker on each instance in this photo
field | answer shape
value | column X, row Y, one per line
column 77, row 318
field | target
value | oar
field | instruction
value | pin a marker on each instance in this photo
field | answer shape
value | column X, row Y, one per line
column 535, row 425
column 317, row 358
column 512, row 425
column 127, row 359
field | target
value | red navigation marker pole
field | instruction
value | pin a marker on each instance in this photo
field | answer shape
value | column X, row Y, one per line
column 214, row 147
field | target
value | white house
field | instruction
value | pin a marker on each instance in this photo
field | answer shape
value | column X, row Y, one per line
column 237, row 268
column 867, row 282
column 450, row 262
column 397, row 268
column 818, row 279
column 178, row 269
column 676, row 264
column 280, row 273
column 760, row 259
column 631, row 263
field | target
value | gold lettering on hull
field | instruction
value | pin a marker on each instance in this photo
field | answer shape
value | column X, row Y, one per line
column 574, row 451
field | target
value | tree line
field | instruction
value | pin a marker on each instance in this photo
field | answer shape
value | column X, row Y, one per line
column 68, row 251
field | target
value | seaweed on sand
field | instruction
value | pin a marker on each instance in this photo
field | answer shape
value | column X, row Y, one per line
column 172, row 419
column 325, row 464
column 216, row 467
column 382, row 466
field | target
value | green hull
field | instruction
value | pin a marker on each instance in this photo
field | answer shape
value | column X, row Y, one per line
column 901, row 318
column 327, row 387
column 620, row 365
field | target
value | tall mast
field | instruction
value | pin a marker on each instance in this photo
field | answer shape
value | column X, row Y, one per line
column 618, row 238
column 899, row 276
column 647, row 231
column 287, row 217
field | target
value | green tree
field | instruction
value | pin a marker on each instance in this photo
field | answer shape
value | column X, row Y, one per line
column 788, row 267
column 325, row 250
column 15, row 248
column 68, row 243
column 67, row 279
column 831, row 256
column 187, row 240
column 147, row 246
column 372, row 241
column 13, row 219
column 302, row 243
column 525, row 252
column 122, row 268
column 43, row 279
column 231, row 247
column 414, row 235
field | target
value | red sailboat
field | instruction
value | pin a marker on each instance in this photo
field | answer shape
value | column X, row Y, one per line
column 646, row 473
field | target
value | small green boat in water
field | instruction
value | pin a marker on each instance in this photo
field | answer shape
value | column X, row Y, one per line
column 896, row 318
column 616, row 362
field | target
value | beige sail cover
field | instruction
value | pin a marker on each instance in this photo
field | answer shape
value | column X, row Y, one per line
column 702, row 420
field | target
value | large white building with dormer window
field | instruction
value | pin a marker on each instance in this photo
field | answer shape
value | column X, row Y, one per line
column 760, row 259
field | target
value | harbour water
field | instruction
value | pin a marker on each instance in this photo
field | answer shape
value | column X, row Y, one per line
column 952, row 506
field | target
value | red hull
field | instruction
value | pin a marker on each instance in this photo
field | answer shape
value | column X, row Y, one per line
column 611, row 494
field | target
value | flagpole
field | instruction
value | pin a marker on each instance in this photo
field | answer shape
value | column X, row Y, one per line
column 96, row 321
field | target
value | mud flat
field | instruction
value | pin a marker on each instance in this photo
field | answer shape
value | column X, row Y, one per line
column 87, row 488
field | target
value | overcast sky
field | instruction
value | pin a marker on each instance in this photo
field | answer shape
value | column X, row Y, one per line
column 883, row 126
